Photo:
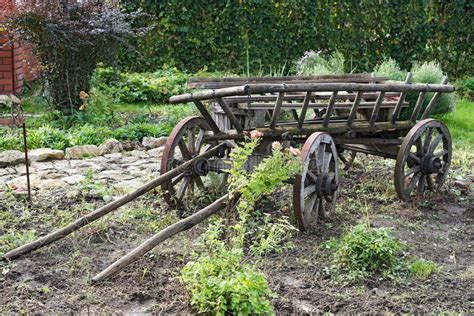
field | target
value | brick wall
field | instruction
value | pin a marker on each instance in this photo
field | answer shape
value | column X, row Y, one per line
column 17, row 61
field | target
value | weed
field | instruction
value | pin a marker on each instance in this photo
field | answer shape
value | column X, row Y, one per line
column 364, row 252
column 423, row 269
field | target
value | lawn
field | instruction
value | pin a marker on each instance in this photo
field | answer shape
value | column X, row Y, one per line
column 461, row 124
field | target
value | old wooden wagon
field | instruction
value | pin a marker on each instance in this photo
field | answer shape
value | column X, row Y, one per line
column 330, row 117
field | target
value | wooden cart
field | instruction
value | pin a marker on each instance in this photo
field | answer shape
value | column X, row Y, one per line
column 328, row 116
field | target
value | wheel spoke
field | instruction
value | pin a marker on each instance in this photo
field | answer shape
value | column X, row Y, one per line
column 414, row 157
column 309, row 190
column 182, row 188
column 178, row 178
column 419, row 147
column 320, row 157
column 199, row 182
column 191, row 140
column 311, row 175
column 435, row 143
column 320, row 209
column 413, row 182
column 199, row 141
column 327, row 161
column 184, row 150
column 440, row 153
column 421, row 184
column 427, row 142
column 309, row 206
column 412, row 170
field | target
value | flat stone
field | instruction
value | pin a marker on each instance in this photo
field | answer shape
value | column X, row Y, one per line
column 79, row 152
column 152, row 142
column 110, row 146
column 128, row 186
column 45, row 154
column 11, row 158
column 74, row 179
column 138, row 154
column 113, row 156
column 157, row 152
column 42, row 166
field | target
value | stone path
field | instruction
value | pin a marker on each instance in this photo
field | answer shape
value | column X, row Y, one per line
column 123, row 171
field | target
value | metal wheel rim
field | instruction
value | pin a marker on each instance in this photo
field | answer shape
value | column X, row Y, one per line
column 427, row 140
column 314, row 157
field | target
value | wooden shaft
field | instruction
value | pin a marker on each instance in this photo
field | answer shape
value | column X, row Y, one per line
column 433, row 101
column 398, row 107
column 205, row 114
column 154, row 241
column 301, row 96
column 304, row 109
column 230, row 115
column 277, row 110
column 419, row 104
column 311, row 105
column 305, row 87
column 355, row 107
column 89, row 218
column 329, row 109
column 375, row 111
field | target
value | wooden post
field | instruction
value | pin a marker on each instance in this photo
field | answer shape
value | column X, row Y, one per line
column 327, row 116
column 398, row 107
column 89, row 218
column 277, row 109
column 230, row 115
column 205, row 114
column 433, row 100
column 154, row 241
column 304, row 109
column 375, row 112
column 419, row 104
column 354, row 108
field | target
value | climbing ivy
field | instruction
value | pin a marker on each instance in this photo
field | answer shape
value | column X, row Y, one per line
column 234, row 34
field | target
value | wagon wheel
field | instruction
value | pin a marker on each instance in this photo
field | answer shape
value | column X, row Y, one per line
column 314, row 191
column 185, row 142
column 423, row 159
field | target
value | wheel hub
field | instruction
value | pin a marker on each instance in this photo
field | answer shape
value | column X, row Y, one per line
column 430, row 164
column 326, row 185
column 201, row 167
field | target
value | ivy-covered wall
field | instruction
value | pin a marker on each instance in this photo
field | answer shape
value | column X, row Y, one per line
column 228, row 34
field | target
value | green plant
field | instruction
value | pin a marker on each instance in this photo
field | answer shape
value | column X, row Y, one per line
column 364, row 251
column 465, row 88
column 423, row 269
column 220, row 278
column 389, row 68
column 314, row 64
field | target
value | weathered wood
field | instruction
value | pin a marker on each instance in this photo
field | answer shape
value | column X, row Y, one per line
column 355, row 107
column 342, row 95
column 89, row 218
column 163, row 235
column 329, row 109
column 205, row 114
column 375, row 111
column 277, row 110
column 230, row 114
column 398, row 107
column 311, row 105
column 305, row 87
column 419, row 104
column 308, row 129
column 433, row 100
column 7, row 121
column 367, row 140
column 304, row 109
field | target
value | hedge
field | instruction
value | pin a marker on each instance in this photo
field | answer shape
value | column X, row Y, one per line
column 234, row 34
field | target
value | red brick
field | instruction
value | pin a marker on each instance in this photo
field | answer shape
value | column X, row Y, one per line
column 7, row 74
column 6, row 61
column 5, row 67
column 5, row 81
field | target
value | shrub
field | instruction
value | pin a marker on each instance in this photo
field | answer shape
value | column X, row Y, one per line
column 69, row 41
column 314, row 64
column 465, row 88
column 423, row 269
column 390, row 69
column 365, row 251
column 220, row 279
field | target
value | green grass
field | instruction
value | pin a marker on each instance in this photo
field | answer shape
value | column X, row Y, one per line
column 461, row 124
column 423, row 269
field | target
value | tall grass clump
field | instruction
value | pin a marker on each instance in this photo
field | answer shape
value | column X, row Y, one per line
column 389, row 68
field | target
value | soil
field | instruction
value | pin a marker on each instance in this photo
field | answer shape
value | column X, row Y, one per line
column 56, row 279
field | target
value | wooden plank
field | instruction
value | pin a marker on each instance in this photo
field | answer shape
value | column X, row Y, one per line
column 398, row 107
column 205, row 114
column 375, row 112
column 419, row 104
column 230, row 114
column 433, row 100
column 277, row 110
column 311, row 105
column 355, row 107
column 300, row 97
column 329, row 109
column 313, row 87
column 304, row 109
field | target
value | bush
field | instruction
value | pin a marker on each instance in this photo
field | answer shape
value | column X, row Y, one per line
column 423, row 269
column 69, row 41
column 390, row 69
column 314, row 64
column 365, row 251
column 465, row 88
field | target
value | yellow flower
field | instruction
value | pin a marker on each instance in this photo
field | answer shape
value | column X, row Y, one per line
column 83, row 95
